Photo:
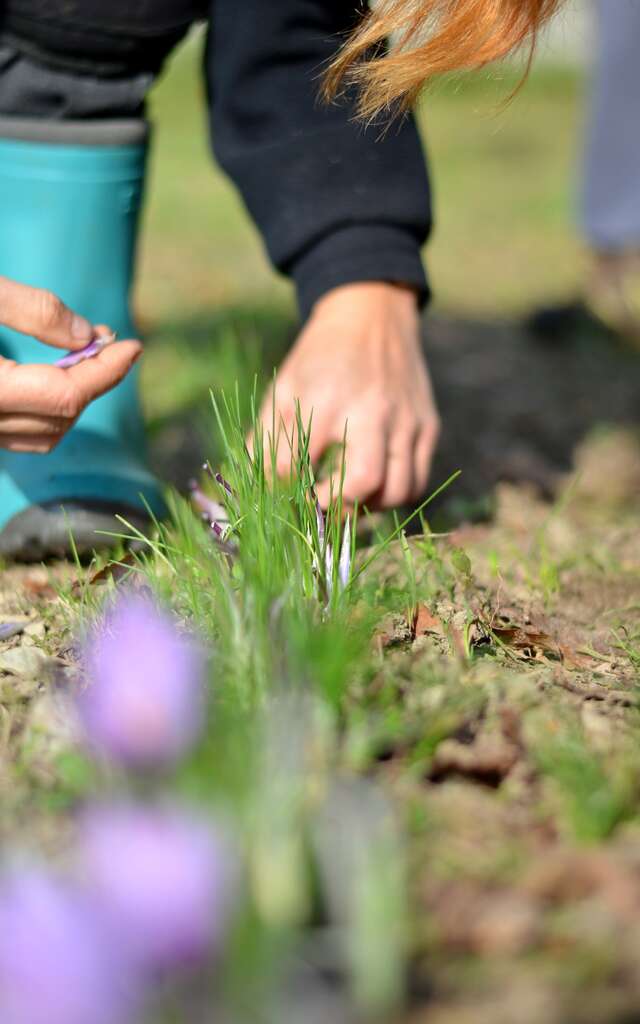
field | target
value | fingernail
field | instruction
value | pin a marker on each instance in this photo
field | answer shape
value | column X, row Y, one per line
column 81, row 329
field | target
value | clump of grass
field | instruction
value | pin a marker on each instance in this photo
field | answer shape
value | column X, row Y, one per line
column 277, row 590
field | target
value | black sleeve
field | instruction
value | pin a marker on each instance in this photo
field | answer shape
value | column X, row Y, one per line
column 335, row 202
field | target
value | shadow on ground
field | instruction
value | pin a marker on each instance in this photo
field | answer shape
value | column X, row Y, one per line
column 516, row 409
column 513, row 408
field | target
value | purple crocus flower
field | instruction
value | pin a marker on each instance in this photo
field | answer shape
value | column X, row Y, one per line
column 219, row 479
column 143, row 702
column 95, row 346
column 57, row 964
column 223, row 483
column 161, row 877
column 211, row 510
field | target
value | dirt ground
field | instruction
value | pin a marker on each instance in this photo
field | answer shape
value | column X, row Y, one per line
column 528, row 862
column 527, row 865
column 516, row 746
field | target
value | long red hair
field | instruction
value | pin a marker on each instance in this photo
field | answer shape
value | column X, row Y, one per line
column 429, row 37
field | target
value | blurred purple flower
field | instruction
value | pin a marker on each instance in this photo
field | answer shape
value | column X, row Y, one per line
column 95, row 346
column 9, row 629
column 143, row 702
column 57, row 965
column 161, row 877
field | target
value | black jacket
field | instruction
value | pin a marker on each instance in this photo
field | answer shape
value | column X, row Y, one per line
column 334, row 201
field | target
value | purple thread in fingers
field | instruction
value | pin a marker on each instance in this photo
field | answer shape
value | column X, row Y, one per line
column 94, row 347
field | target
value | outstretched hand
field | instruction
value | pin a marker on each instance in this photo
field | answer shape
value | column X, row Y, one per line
column 358, row 363
column 39, row 403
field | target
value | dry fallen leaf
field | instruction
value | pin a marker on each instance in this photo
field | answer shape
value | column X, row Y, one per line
column 424, row 621
column 38, row 585
column 112, row 571
column 523, row 642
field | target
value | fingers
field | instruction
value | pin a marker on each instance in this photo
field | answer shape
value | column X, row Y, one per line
column 33, row 426
column 384, row 473
column 95, row 376
column 365, row 465
column 34, row 444
column 276, row 426
column 287, row 440
column 424, row 452
column 399, row 475
column 278, row 418
column 409, row 456
column 45, row 401
column 43, row 315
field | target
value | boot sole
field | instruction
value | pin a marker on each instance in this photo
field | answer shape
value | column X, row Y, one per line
column 43, row 532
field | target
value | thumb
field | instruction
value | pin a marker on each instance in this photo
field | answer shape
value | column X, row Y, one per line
column 41, row 314
column 95, row 376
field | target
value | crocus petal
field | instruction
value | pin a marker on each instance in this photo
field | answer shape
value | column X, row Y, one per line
column 223, row 483
column 213, row 510
column 92, row 349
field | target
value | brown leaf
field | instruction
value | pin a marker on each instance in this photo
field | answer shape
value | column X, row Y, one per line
column 522, row 642
column 573, row 660
column 38, row 584
column 424, row 621
column 115, row 571
column 528, row 643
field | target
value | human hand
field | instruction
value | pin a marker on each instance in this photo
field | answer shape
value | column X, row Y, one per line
column 358, row 361
column 39, row 403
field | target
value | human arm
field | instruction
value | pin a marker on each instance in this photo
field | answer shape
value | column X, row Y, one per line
column 343, row 210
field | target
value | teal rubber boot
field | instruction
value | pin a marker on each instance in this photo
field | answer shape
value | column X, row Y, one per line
column 70, row 194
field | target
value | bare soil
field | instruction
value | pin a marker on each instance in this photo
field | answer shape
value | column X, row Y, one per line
column 515, row 744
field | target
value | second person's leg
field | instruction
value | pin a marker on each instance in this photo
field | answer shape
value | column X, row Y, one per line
column 610, row 207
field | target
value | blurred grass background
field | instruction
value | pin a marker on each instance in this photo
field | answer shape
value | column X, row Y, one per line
column 503, row 177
